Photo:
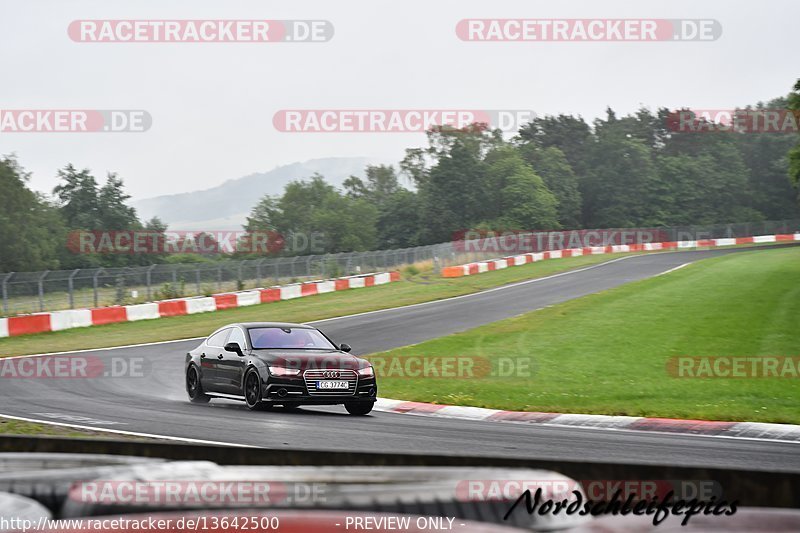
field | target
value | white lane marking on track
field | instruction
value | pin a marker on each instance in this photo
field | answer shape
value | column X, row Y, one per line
column 672, row 270
column 129, row 433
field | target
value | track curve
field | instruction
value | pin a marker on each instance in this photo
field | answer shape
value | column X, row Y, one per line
column 157, row 405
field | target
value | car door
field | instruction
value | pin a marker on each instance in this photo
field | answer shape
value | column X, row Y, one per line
column 230, row 368
column 211, row 357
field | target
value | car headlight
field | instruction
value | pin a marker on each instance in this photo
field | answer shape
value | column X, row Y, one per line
column 283, row 372
column 366, row 372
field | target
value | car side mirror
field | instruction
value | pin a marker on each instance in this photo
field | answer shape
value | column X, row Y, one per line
column 345, row 347
column 234, row 347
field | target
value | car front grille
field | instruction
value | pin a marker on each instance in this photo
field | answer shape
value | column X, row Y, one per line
column 312, row 376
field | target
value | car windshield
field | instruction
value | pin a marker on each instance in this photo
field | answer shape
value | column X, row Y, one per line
column 288, row 338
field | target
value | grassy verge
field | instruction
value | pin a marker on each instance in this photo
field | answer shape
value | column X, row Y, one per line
column 417, row 288
column 9, row 426
column 607, row 353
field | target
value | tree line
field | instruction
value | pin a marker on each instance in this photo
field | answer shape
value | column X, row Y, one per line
column 557, row 172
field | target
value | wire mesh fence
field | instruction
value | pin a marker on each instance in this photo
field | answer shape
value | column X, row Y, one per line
column 27, row 292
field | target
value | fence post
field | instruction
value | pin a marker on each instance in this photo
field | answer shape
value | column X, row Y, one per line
column 5, row 292
column 94, row 286
column 308, row 265
column 41, row 289
column 258, row 271
column 147, row 276
column 72, row 288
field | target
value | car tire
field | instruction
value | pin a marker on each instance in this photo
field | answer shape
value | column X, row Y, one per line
column 194, row 388
column 252, row 392
column 359, row 408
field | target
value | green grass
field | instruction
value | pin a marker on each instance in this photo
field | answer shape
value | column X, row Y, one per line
column 607, row 353
column 9, row 426
column 421, row 287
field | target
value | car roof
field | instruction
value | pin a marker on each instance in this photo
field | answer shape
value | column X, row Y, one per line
column 248, row 325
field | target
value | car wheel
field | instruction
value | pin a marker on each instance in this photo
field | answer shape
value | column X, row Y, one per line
column 252, row 392
column 359, row 408
column 194, row 388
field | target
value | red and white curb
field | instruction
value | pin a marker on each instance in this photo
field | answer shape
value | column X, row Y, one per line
column 741, row 430
column 470, row 269
column 79, row 318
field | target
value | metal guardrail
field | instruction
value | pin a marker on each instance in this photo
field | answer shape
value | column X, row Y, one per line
column 754, row 487
column 52, row 290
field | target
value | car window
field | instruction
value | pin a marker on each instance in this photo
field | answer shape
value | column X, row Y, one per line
column 237, row 336
column 288, row 338
column 218, row 339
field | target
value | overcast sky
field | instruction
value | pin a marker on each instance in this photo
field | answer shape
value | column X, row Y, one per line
column 212, row 104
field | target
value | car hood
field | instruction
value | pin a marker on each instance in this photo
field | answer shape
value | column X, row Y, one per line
column 311, row 359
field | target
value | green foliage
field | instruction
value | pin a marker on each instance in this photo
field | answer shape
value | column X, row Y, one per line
column 794, row 154
column 169, row 291
column 32, row 230
column 315, row 218
column 551, row 164
column 522, row 201
column 410, row 270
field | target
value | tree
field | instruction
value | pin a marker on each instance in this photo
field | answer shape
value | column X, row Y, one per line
column 454, row 197
column 794, row 154
column 622, row 189
column 78, row 198
column 32, row 229
column 313, row 217
column 522, row 200
column 766, row 157
column 551, row 164
column 114, row 214
column 572, row 135
column 399, row 221
column 381, row 183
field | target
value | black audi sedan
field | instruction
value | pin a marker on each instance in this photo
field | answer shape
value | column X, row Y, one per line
column 272, row 363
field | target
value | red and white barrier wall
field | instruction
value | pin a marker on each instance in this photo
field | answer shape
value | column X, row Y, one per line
column 79, row 318
column 471, row 269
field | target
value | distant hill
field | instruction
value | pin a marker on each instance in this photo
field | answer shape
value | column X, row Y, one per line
column 226, row 206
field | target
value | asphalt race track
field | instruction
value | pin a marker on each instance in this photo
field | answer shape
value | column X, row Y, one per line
column 158, row 405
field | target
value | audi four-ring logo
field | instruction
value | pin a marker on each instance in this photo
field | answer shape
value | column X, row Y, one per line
column 331, row 374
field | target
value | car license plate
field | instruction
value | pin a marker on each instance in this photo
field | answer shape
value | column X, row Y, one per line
column 332, row 385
